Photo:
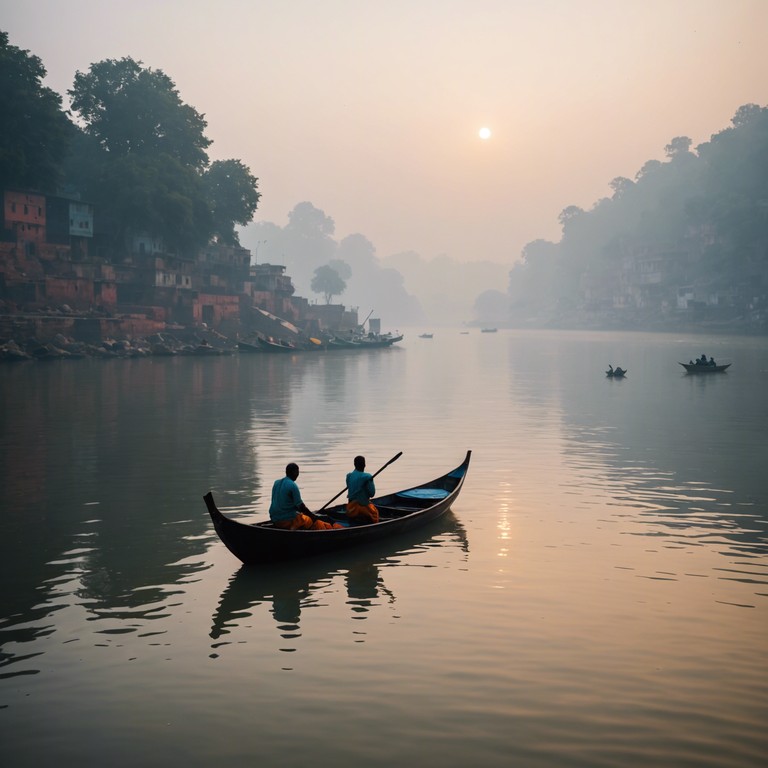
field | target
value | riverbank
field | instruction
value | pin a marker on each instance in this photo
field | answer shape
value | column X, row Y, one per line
column 158, row 345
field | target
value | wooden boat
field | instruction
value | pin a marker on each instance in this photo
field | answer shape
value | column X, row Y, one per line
column 205, row 348
column 425, row 335
column 702, row 368
column 336, row 342
column 269, row 345
column 376, row 342
column 398, row 513
column 248, row 346
column 488, row 330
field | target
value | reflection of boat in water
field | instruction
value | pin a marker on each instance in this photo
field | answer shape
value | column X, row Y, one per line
column 288, row 587
column 705, row 367
column 398, row 512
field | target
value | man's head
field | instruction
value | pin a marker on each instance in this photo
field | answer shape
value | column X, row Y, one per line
column 359, row 463
column 292, row 471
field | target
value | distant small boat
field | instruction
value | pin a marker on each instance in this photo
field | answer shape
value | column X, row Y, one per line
column 704, row 367
column 488, row 330
column 425, row 335
column 616, row 373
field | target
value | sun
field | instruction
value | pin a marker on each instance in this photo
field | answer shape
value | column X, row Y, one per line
column 484, row 133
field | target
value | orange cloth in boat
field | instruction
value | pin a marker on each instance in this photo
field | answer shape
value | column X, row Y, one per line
column 305, row 523
column 367, row 511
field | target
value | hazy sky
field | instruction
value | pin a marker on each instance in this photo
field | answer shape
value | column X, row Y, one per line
column 370, row 109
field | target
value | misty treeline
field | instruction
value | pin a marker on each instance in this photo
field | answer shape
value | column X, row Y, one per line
column 694, row 225
column 404, row 288
column 129, row 144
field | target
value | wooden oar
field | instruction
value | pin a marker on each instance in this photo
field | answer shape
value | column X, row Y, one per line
column 393, row 459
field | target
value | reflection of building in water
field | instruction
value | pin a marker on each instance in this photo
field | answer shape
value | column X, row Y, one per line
column 287, row 588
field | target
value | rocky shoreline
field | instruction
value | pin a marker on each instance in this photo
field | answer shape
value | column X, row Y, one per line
column 156, row 345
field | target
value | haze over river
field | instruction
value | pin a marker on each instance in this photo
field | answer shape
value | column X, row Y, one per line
column 598, row 595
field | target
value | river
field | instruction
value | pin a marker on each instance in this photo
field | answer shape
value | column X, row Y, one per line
column 598, row 595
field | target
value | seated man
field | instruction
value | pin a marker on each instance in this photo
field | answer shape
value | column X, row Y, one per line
column 360, row 489
column 287, row 510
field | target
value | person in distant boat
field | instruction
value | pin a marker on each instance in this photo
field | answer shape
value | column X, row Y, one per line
column 702, row 360
column 712, row 361
column 287, row 510
column 610, row 368
column 360, row 490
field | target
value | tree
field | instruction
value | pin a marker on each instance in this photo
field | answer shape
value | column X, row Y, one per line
column 130, row 109
column 307, row 243
column 621, row 186
column 680, row 146
column 342, row 268
column 358, row 251
column 144, row 152
column 307, row 221
column 491, row 306
column 328, row 282
column 746, row 113
column 232, row 193
column 34, row 131
column 569, row 215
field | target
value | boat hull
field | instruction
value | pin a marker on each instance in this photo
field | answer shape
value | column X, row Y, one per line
column 694, row 368
column 400, row 512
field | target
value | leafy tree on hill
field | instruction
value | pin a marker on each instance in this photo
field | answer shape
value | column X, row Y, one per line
column 34, row 131
column 702, row 215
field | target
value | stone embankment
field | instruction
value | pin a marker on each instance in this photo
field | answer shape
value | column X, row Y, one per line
column 159, row 344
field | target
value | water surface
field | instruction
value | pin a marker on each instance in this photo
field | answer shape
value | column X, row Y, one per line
column 597, row 596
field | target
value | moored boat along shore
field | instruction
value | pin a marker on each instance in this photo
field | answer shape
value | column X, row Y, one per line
column 203, row 344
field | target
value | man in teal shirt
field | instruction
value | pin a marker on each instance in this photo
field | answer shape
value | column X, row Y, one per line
column 360, row 490
column 287, row 510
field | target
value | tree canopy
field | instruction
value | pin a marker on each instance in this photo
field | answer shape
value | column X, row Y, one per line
column 702, row 214
column 329, row 282
column 142, row 154
column 130, row 109
column 232, row 193
column 34, row 131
